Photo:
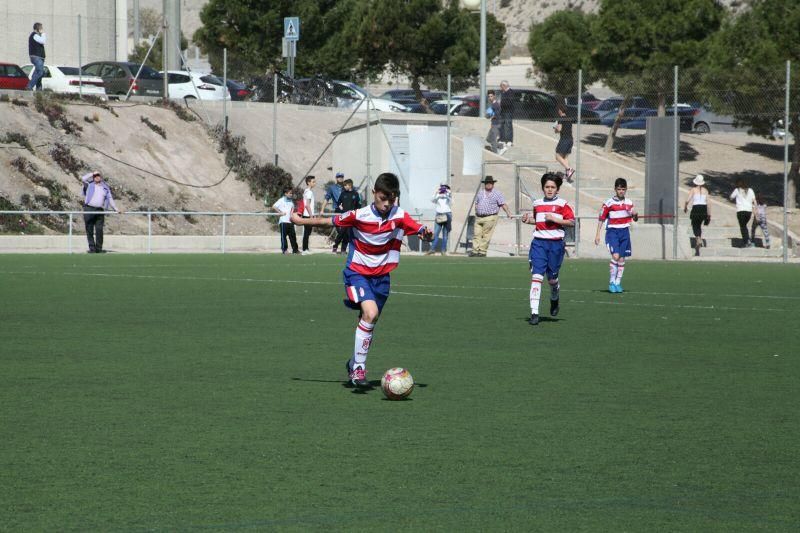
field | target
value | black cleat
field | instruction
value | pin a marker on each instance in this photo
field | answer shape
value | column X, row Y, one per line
column 554, row 308
column 534, row 320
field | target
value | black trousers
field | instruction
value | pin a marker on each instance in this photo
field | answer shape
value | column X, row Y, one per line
column 288, row 234
column 94, row 227
column 342, row 238
column 744, row 217
column 506, row 129
column 306, row 235
column 698, row 217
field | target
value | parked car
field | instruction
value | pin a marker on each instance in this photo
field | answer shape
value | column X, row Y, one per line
column 406, row 96
column 529, row 104
column 613, row 103
column 192, row 86
column 707, row 121
column 441, row 107
column 238, row 90
column 635, row 118
column 588, row 101
column 118, row 77
column 349, row 95
column 60, row 79
column 12, row 77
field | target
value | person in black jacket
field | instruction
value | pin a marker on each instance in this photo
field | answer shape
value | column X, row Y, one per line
column 506, row 114
column 349, row 200
column 36, row 42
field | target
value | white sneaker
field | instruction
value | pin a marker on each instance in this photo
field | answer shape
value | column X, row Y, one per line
column 502, row 150
column 306, row 252
column 509, row 144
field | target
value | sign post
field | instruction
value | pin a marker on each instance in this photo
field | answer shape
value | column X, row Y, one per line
column 291, row 34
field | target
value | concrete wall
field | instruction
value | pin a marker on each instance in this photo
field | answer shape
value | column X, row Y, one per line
column 101, row 22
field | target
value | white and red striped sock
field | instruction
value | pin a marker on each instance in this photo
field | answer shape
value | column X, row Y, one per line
column 620, row 270
column 363, row 342
column 536, row 292
column 613, row 267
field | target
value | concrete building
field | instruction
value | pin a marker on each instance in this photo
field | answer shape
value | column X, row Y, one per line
column 103, row 30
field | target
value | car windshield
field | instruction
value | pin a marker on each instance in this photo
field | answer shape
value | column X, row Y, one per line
column 69, row 71
column 147, row 73
column 213, row 80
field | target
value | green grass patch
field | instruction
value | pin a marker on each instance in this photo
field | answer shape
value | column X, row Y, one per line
column 206, row 391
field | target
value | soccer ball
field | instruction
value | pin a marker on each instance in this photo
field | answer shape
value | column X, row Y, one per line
column 397, row 384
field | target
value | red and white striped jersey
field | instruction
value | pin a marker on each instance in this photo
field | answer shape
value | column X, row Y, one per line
column 375, row 242
column 546, row 229
column 619, row 213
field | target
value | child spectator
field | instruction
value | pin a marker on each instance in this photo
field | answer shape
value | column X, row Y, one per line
column 349, row 200
column 745, row 200
column 618, row 211
column 493, row 113
column 444, row 217
column 378, row 232
column 285, row 206
column 760, row 220
column 308, row 210
column 550, row 215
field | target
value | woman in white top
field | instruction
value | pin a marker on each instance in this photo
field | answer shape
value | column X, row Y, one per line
column 444, row 217
column 698, row 199
column 745, row 207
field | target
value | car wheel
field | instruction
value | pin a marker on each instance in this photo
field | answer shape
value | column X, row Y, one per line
column 702, row 127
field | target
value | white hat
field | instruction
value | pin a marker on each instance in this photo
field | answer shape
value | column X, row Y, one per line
column 698, row 180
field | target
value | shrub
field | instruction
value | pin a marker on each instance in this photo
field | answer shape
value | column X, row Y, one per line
column 18, row 138
column 55, row 113
column 179, row 110
column 70, row 164
column 155, row 127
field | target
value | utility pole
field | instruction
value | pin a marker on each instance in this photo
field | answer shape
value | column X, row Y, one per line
column 172, row 23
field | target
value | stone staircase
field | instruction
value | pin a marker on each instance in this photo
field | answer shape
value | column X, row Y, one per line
column 726, row 241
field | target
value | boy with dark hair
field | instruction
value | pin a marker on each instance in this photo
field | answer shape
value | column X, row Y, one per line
column 618, row 211
column 308, row 209
column 377, row 234
column 348, row 201
column 493, row 113
column 285, row 206
column 550, row 215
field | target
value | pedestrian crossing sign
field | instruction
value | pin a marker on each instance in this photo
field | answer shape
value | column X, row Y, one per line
column 291, row 28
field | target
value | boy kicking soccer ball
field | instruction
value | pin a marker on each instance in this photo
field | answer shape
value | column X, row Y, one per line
column 550, row 215
column 618, row 211
column 377, row 233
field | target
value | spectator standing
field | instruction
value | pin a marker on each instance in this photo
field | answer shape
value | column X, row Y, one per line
column 506, row 114
column 97, row 200
column 332, row 197
column 487, row 205
column 36, row 42
column 760, row 220
column 349, row 200
column 563, row 127
column 443, row 220
column 285, row 206
column 493, row 113
column 698, row 199
column 308, row 210
column 745, row 200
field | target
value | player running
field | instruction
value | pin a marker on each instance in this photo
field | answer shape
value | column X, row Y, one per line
column 550, row 215
column 377, row 232
column 618, row 211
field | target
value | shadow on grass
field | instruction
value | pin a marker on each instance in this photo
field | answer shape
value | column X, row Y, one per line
column 374, row 384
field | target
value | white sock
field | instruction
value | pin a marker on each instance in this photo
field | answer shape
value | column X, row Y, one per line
column 555, row 288
column 613, row 266
column 536, row 292
column 620, row 270
column 363, row 342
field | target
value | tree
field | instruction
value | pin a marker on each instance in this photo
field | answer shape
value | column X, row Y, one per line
column 156, row 58
column 637, row 44
column 423, row 39
column 560, row 46
column 748, row 58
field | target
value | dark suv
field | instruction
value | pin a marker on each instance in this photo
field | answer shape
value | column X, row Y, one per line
column 529, row 104
column 118, row 77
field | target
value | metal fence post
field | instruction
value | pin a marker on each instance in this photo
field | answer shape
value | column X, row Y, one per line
column 578, row 166
column 225, row 89
column 80, row 61
column 786, row 164
column 69, row 243
column 367, row 101
column 275, row 117
column 224, row 226
column 676, row 161
column 449, row 79
column 149, row 232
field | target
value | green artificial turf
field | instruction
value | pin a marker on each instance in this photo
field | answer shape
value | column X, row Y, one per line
column 206, row 391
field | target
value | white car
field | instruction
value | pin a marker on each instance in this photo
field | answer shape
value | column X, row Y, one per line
column 441, row 107
column 66, row 80
column 205, row 86
column 350, row 95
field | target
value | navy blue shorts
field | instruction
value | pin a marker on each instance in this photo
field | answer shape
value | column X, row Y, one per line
column 358, row 288
column 618, row 241
column 546, row 257
column 564, row 146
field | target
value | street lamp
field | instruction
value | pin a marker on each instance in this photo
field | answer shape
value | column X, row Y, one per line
column 474, row 5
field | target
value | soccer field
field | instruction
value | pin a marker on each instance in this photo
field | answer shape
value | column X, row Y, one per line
column 175, row 392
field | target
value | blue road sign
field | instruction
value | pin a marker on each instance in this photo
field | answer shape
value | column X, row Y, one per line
column 291, row 28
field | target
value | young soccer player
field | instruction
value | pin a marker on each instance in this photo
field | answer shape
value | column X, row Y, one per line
column 377, row 232
column 618, row 211
column 550, row 215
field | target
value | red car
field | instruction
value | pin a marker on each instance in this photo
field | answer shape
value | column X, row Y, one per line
column 12, row 77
